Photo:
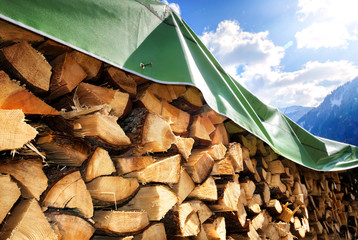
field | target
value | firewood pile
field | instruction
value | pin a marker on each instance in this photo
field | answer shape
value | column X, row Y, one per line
column 89, row 151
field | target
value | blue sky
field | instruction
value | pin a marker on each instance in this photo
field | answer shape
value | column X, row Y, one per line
column 291, row 52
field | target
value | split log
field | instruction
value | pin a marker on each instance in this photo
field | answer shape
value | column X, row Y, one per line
column 70, row 192
column 184, row 187
column 182, row 221
column 64, row 150
column 15, row 132
column 184, row 146
column 27, row 65
column 207, row 191
column 161, row 91
column 99, row 164
column 130, row 164
column 119, row 79
column 119, row 222
column 70, row 226
column 199, row 166
column 190, row 101
column 249, row 187
column 203, row 211
column 29, row 174
column 263, row 189
column 91, row 65
column 217, row 151
column 164, row 170
column 176, row 91
column 274, row 207
column 13, row 96
column 179, row 120
column 156, row 200
column 200, row 130
column 150, row 132
column 220, row 135
column 102, row 130
column 253, row 205
column 67, row 74
column 223, row 167
column 10, row 33
column 92, row 95
column 215, row 229
column 51, row 49
column 277, row 187
column 276, row 167
column 214, row 117
column 228, row 197
column 149, row 101
column 27, row 221
column 10, row 192
column 112, row 190
column 234, row 153
column 154, row 231
column 249, row 141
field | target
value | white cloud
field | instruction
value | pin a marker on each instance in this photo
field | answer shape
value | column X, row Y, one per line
column 234, row 47
column 324, row 34
column 306, row 87
column 333, row 23
column 259, row 60
column 174, row 6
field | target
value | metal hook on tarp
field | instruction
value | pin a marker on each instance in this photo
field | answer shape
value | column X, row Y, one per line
column 142, row 65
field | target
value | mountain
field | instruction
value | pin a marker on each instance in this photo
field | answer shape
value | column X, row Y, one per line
column 336, row 117
column 295, row 112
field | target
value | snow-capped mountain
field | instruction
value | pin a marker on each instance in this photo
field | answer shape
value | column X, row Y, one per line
column 336, row 117
column 295, row 112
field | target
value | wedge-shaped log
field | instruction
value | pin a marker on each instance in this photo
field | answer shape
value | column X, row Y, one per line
column 199, row 166
column 184, row 146
column 51, row 49
column 112, row 190
column 214, row 117
column 10, row 33
column 276, row 167
column 102, row 130
column 274, row 207
column 130, row 164
column 254, row 204
column 156, row 200
column 119, row 79
column 228, row 197
column 64, row 150
column 249, row 141
column 120, row 222
column 190, row 101
column 215, row 229
column 67, row 74
column 148, row 100
column 154, row 231
column 263, row 189
column 217, row 152
column 70, row 226
column 203, row 211
column 164, row 170
column 223, row 167
column 235, row 221
column 92, row 95
column 161, row 91
column 176, row 91
column 249, row 187
column 27, row 221
column 200, row 131
column 182, row 221
column 10, row 192
column 277, row 187
column 184, row 187
column 15, row 133
column 220, row 135
column 234, row 153
column 178, row 118
column 70, row 192
column 91, row 65
column 99, row 164
column 13, row 96
column 24, row 63
column 28, row 173
column 207, row 191
column 149, row 131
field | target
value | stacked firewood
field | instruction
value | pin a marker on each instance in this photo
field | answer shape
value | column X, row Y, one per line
column 105, row 154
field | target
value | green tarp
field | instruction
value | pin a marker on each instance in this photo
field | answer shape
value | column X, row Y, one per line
column 148, row 39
